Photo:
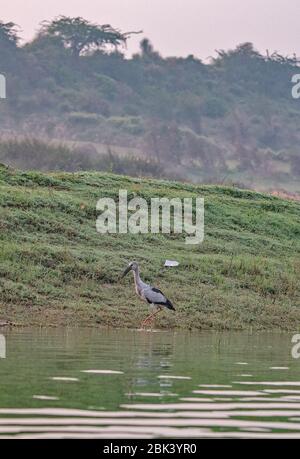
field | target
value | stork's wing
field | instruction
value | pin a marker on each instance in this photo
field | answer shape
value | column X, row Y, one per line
column 154, row 295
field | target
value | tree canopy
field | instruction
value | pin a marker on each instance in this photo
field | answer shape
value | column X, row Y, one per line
column 81, row 36
column 231, row 117
column 8, row 34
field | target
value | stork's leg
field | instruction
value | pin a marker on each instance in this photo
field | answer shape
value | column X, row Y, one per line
column 150, row 318
column 145, row 321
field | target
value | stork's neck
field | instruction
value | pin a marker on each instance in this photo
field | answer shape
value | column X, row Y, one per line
column 137, row 280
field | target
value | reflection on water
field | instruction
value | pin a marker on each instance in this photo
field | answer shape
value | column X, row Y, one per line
column 83, row 383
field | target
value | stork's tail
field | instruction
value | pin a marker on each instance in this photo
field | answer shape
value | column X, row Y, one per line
column 169, row 305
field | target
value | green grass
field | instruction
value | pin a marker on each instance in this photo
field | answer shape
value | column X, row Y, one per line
column 56, row 269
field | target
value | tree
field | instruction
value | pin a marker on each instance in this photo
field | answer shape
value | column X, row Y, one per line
column 8, row 34
column 81, row 36
column 147, row 49
column 243, row 50
column 8, row 47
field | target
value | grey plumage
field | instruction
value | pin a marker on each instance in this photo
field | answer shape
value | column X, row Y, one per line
column 145, row 291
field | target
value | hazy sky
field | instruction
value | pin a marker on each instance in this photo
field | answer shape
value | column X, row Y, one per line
column 177, row 27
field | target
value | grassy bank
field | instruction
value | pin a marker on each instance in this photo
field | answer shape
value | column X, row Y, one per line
column 56, row 269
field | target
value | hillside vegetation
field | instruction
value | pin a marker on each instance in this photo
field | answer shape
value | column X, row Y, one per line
column 229, row 120
column 56, row 269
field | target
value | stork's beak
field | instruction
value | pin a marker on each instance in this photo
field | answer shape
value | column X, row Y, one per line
column 126, row 271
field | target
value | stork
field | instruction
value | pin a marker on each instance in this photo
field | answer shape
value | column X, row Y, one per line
column 146, row 292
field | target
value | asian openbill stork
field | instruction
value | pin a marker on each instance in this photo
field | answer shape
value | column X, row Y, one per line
column 146, row 292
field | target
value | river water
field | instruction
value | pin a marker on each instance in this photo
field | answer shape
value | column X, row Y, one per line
column 98, row 383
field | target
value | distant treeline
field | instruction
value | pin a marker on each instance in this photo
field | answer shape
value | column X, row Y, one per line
column 35, row 154
column 230, row 119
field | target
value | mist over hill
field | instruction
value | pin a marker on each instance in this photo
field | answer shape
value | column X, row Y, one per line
column 230, row 120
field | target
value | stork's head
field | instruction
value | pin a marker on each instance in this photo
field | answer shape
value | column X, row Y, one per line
column 133, row 266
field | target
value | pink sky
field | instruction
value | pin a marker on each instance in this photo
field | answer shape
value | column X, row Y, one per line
column 177, row 27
